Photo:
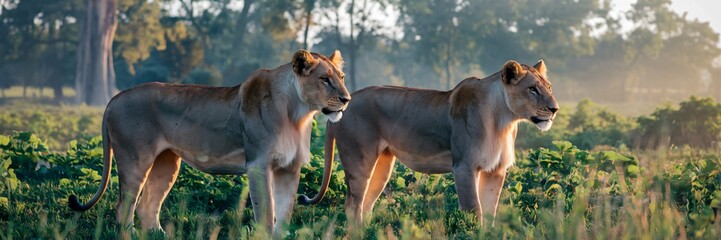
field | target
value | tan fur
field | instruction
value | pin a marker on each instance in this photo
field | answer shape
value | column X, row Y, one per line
column 261, row 127
column 469, row 131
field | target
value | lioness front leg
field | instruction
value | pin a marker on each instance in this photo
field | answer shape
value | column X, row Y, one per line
column 259, row 175
column 285, row 185
column 157, row 186
column 489, row 190
column 466, row 179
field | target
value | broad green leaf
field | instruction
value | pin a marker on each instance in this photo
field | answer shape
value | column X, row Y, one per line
column 24, row 136
column 4, row 140
column 401, row 182
column 632, row 170
column 11, row 183
column 715, row 203
column 614, row 156
column 96, row 152
column 65, row 182
column 563, row 145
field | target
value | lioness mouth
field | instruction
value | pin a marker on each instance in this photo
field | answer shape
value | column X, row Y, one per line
column 542, row 124
column 537, row 120
column 327, row 111
column 333, row 116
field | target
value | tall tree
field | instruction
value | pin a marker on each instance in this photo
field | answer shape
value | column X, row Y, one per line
column 308, row 6
column 39, row 36
column 433, row 29
column 95, row 74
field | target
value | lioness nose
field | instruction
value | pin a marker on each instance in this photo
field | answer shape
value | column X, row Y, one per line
column 344, row 99
column 553, row 109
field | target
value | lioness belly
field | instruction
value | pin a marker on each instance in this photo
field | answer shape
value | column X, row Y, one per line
column 439, row 162
column 229, row 163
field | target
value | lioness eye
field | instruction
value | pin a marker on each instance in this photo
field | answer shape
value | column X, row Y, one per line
column 325, row 79
column 533, row 90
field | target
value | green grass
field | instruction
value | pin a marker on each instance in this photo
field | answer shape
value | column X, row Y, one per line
column 556, row 193
column 57, row 124
column 35, row 92
column 577, row 194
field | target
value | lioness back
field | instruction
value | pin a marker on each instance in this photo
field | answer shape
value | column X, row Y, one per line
column 386, row 116
column 169, row 113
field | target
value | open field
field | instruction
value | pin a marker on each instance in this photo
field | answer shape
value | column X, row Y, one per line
column 34, row 92
column 556, row 192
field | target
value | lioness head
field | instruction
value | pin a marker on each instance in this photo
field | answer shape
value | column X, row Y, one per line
column 321, row 82
column 529, row 93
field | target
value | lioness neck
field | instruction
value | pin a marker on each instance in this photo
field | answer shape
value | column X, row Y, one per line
column 299, row 112
column 504, row 117
column 490, row 97
column 503, row 122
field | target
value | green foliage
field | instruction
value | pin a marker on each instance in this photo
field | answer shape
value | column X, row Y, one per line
column 547, row 176
column 697, row 122
column 593, row 125
column 558, row 191
column 589, row 126
column 58, row 124
column 550, row 193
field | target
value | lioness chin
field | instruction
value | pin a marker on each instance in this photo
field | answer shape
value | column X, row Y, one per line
column 469, row 131
column 261, row 127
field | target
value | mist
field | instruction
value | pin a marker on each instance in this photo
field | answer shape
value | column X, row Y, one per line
column 638, row 56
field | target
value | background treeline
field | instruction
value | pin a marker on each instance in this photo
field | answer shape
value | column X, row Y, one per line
column 695, row 123
column 644, row 54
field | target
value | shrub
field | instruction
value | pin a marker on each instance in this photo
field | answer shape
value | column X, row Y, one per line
column 696, row 123
column 590, row 125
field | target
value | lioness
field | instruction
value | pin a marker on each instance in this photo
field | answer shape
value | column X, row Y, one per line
column 261, row 127
column 469, row 131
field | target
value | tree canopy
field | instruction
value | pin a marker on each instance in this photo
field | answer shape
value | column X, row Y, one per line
column 647, row 53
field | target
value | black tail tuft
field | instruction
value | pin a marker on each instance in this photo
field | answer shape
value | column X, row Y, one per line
column 74, row 204
column 305, row 200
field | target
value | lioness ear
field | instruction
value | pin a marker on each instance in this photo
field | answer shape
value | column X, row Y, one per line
column 541, row 68
column 512, row 72
column 337, row 59
column 303, row 62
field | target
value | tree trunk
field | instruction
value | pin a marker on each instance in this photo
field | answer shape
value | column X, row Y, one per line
column 310, row 4
column 95, row 75
column 352, row 47
column 242, row 24
column 449, row 72
column 57, row 92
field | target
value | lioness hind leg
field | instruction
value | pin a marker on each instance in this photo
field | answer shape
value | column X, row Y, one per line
column 489, row 191
column 381, row 174
column 358, row 174
column 132, row 173
column 160, row 180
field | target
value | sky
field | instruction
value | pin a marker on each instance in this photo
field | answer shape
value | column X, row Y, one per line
column 703, row 10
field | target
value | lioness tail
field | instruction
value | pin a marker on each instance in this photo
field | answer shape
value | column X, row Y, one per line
column 73, row 201
column 328, row 169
